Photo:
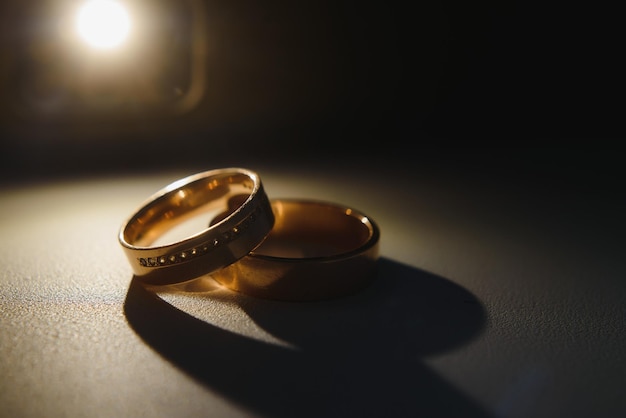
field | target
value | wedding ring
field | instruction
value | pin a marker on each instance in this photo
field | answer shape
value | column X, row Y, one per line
column 231, row 200
column 315, row 251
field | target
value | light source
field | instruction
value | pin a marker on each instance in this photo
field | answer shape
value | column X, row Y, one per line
column 103, row 24
column 75, row 62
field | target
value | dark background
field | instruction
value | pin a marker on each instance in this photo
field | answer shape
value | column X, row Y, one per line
column 478, row 84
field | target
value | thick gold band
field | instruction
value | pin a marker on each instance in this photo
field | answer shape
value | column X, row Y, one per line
column 242, row 217
column 315, row 251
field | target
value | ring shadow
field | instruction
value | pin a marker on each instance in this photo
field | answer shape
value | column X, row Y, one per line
column 360, row 355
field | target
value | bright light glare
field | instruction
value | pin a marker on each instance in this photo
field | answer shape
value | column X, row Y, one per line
column 103, row 24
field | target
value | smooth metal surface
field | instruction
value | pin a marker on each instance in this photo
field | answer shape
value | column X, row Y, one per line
column 236, row 200
column 316, row 250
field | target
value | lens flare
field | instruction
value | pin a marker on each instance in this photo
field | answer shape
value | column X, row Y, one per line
column 103, row 24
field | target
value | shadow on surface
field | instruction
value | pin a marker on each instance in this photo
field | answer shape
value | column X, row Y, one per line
column 355, row 356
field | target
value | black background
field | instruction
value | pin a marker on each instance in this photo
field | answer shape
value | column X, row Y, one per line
column 474, row 84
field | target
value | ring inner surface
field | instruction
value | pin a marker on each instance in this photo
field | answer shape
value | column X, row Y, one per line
column 311, row 230
column 171, row 215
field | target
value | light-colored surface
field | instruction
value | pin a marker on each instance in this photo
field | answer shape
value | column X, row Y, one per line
column 540, row 287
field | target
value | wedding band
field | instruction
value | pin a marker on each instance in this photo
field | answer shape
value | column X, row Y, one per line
column 315, row 251
column 242, row 217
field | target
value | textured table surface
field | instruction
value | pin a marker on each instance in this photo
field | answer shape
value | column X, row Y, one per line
column 494, row 298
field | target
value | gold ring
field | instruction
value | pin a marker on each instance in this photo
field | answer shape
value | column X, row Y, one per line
column 315, row 251
column 241, row 215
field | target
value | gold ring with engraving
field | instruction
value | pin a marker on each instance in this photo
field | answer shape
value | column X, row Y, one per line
column 242, row 217
column 316, row 250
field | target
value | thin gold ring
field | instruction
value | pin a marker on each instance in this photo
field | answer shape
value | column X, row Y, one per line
column 235, row 200
column 315, row 251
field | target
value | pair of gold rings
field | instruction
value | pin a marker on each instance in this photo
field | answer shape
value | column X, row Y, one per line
column 283, row 249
